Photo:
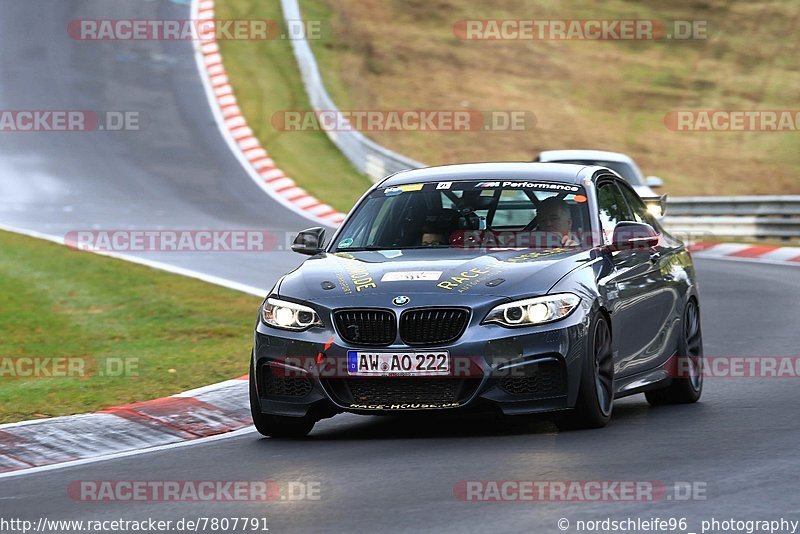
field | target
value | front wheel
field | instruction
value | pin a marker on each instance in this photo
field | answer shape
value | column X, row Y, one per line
column 596, row 396
column 275, row 426
column 687, row 387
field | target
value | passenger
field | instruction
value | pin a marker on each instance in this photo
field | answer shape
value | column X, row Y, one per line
column 553, row 215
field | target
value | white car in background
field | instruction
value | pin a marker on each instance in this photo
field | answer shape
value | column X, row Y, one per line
column 622, row 164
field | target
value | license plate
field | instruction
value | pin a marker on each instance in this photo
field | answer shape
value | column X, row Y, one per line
column 415, row 363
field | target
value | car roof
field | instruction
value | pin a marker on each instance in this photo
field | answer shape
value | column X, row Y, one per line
column 549, row 172
column 594, row 155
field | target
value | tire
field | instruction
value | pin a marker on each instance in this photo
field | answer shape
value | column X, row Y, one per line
column 596, row 395
column 690, row 357
column 275, row 426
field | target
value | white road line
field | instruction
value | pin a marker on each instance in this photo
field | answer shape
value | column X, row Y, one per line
column 233, row 145
column 212, row 387
column 211, row 279
column 240, row 155
column 125, row 454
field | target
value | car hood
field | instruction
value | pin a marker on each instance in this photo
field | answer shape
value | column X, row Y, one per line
column 450, row 273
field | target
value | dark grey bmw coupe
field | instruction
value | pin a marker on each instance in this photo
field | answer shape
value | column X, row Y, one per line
column 517, row 287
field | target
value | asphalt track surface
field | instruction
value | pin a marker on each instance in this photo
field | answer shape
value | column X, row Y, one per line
column 375, row 473
column 175, row 173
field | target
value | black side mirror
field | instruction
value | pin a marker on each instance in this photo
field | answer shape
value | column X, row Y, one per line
column 309, row 241
column 634, row 236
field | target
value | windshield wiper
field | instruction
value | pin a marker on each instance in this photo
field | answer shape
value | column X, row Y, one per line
column 414, row 247
column 362, row 249
column 374, row 248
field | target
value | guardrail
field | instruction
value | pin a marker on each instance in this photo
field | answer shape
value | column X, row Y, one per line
column 754, row 217
column 367, row 156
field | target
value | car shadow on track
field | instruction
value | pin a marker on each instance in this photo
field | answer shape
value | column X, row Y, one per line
column 426, row 426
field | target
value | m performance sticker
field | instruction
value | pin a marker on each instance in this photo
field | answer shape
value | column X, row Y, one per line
column 467, row 185
column 528, row 185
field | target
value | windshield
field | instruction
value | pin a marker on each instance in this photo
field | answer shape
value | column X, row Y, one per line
column 487, row 214
column 625, row 170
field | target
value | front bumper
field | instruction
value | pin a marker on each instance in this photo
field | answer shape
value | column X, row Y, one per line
column 514, row 371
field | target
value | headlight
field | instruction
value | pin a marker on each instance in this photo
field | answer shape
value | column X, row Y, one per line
column 288, row 315
column 539, row 310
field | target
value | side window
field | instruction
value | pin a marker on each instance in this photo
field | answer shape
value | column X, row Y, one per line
column 612, row 208
column 624, row 207
column 640, row 213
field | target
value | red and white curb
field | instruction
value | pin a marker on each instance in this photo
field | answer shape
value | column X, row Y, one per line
column 192, row 415
column 212, row 411
column 241, row 138
column 742, row 252
column 201, row 414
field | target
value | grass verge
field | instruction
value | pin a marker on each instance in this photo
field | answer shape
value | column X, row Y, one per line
column 149, row 333
column 614, row 95
column 266, row 81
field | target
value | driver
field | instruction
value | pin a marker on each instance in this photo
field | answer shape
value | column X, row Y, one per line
column 437, row 227
column 554, row 215
column 433, row 236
